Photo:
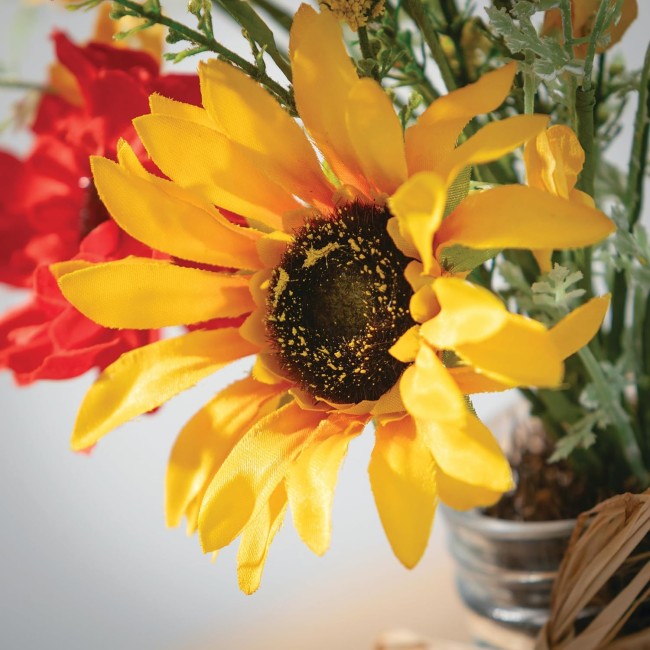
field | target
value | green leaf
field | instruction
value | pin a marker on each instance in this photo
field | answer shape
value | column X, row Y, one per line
column 556, row 289
column 582, row 437
column 120, row 36
column 86, row 4
column 152, row 6
column 520, row 36
column 257, row 29
column 458, row 259
column 458, row 190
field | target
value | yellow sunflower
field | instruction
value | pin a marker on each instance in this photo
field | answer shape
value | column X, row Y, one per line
column 348, row 309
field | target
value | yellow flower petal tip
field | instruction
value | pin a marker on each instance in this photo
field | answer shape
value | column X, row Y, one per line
column 143, row 379
column 574, row 331
column 403, row 479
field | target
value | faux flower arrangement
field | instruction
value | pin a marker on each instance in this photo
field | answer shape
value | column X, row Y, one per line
column 381, row 247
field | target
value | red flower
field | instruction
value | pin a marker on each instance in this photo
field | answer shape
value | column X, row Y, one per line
column 50, row 211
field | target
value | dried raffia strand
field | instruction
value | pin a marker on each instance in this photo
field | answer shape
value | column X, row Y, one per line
column 602, row 542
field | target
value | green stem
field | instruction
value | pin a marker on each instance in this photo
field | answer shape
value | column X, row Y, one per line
column 567, row 27
column 455, row 31
column 639, row 154
column 585, row 102
column 529, row 85
column 643, row 378
column 619, row 300
column 621, row 425
column 285, row 96
column 427, row 90
column 283, row 18
column 26, row 85
column 569, row 79
column 250, row 21
column 415, row 9
column 593, row 40
column 364, row 44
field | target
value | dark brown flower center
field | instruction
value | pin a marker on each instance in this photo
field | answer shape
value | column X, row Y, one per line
column 337, row 302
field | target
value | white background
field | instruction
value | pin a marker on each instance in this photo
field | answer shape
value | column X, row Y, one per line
column 85, row 559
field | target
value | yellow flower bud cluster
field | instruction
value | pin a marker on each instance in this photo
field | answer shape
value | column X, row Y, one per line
column 356, row 13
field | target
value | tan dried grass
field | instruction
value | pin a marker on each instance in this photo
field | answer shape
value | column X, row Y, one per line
column 602, row 542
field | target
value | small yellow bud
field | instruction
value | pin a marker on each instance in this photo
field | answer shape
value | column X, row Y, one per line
column 355, row 13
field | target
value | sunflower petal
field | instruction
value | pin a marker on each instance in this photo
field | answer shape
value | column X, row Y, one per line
column 376, row 135
column 406, row 347
column 207, row 439
column 521, row 353
column 515, row 216
column 256, row 539
column 312, row 479
column 419, row 205
column 321, row 85
column 403, row 242
column 434, row 135
column 251, row 117
column 493, row 141
column 468, row 314
column 429, row 392
column 252, row 471
column 469, row 381
column 403, row 481
column 468, row 453
column 574, row 331
column 166, row 106
column 214, row 166
column 423, row 304
column 143, row 379
column 169, row 224
column 461, row 495
column 141, row 293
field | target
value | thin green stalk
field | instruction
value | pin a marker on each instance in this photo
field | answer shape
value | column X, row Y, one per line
column 15, row 84
column 569, row 79
column 366, row 50
column 583, row 257
column 364, row 43
column 567, row 27
column 619, row 300
column 415, row 9
column 256, row 31
column 643, row 381
column 427, row 90
column 282, row 17
column 639, row 154
column 621, row 425
column 585, row 103
column 593, row 41
column 529, row 85
column 284, row 95
column 454, row 31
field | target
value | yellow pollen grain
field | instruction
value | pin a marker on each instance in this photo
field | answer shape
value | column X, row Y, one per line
column 280, row 285
column 354, row 246
column 313, row 255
